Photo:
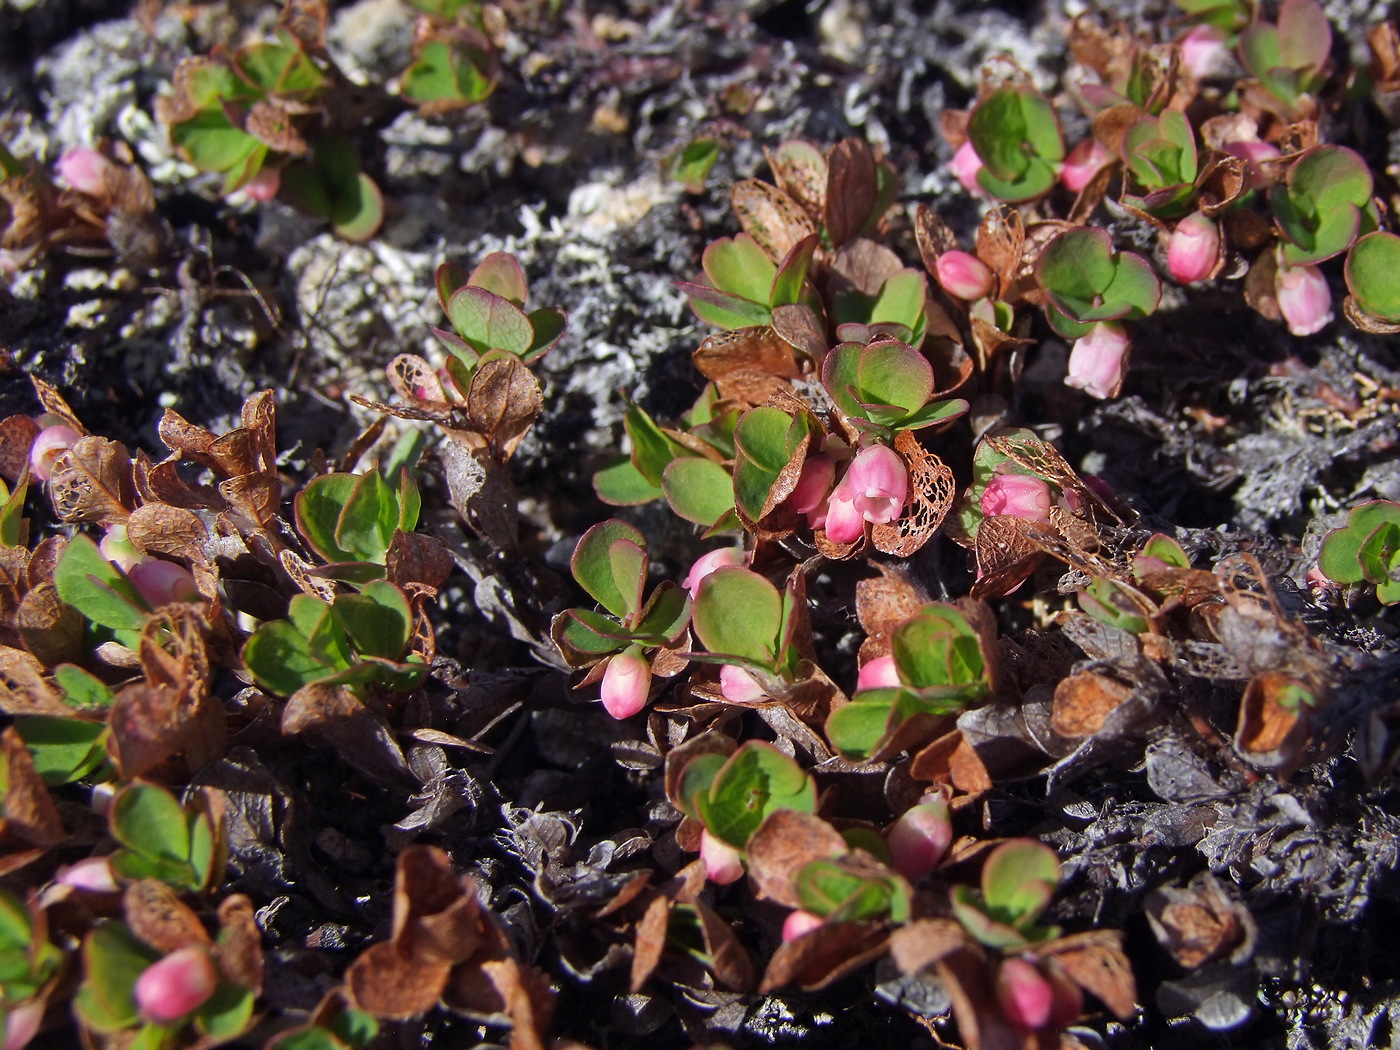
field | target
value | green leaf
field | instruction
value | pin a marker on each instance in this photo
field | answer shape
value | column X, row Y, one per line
column 664, row 618
column 280, row 67
column 628, row 561
column 212, row 143
column 968, row 910
column 621, row 484
column 590, row 633
column 377, row 621
column 1378, row 553
column 893, row 373
column 724, row 309
column 227, row 1013
column 997, row 128
column 150, row 821
column 1134, row 291
column 444, row 74
column 549, row 325
column 696, row 779
column 739, row 266
column 276, row 655
column 1036, row 180
column 63, row 749
column 933, row 413
column 1340, row 558
column 1075, row 269
column 763, row 435
column 113, row 959
column 317, row 510
column 95, row 587
column 1371, row 269
column 1166, row 549
column 738, row 613
column 1018, row 880
column 358, row 211
column 792, row 273
column 755, row 781
column 938, row 648
column 692, row 166
column 366, row 523
column 81, row 689
column 698, row 489
column 858, row 728
column 901, row 300
column 12, row 527
column 592, row 565
column 825, row 888
column 652, row 450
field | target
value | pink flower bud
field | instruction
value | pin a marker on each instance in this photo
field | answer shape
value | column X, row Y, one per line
column 93, row 875
column 1252, row 152
column 708, row 563
column 1194, row 248
column 1304, row 298
column 626, row 683
column 22, row 1024
column 874, row 489
column 813, row 484
column 1203, row 52
column 172, row 987
column 799, row 922
column 723, row 863
column 920, row 837
column 1083, row 163
column 85, row 170
column 963, row 275
column 118, row 549
column 965, row 165
column 1025, row 996
column 1098, row 361
column 264, row 185
column 1017, row 496
column 161, row 582
column 739, row 687
column 47, row 447
column 879, row 673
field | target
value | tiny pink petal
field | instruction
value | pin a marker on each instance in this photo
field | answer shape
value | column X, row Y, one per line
column 51, row 442
column 879, row 673
column 920, row 837
column 1204, row 52
column 161, row 582
column 723, row 863
column 22, row 1024
column 799, row 922
column 175, row 986
column 876, row 483
column 85, row 170
column 965, row 165
column 963, row 275
column 1193, row 249
column 1083, row 163
column 264, row 185
column 93, row 875
column 813, row 484
column 844, row 523
column 626, row 683
column 1099, row 360
column 1304, row 298
column 708, row 563
column 1253, row 152
column 1025, row 996
column 739, row 687
column 1017, row 496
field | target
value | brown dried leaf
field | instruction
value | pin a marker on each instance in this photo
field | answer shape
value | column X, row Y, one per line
column 1084, row 701
column 17, row 434
column 502, row 403
column 823, row 956
column 1095, row 961
column 932, row 490
column 863, row 265
column 436, row 915
column 271, row 124
column 650, row 941
column 798, row 325
column 923, row 942
column 160, row 919
column 782, row 845
column 731, row 964
column 934, row 237
column 239, row 948
column 883, row 603
column 1001, row 244
column 386, row 984
column 800, row 171
column 1273, row 726
column 1199, row 923
column 158, row 528
column 51, row 630
column 24, row 688
column 28, row 815
column 850, row 189
column 966, row 976
column 54, row 404
column 92, row 481
column 151, row 724
column 952, row 760
column 770, row 217
column 417, row 560
column 756, row 349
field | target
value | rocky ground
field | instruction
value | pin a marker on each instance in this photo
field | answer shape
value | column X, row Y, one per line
column 1226, row 434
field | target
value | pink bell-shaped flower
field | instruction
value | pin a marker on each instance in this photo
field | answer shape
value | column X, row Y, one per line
column 723, row 863
column 47, row 447
column 879, row 673
column 1303, row 297
column 1099, row 360
column 85, row 170
column 1253, row 152
column 1193, row 249
column 738, row 686
column 626, row 683
column 161, row 582
column 177, row 985
column 1025, row 996
column 963, row 275
column 1083, row 163
column 93, row 874
column 1204, row 52
column 920, row 837
column 874, row 489
column 799, row 922
column 708, row 563
column 813, row 484
column 1017, row 496
column 965, row 165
